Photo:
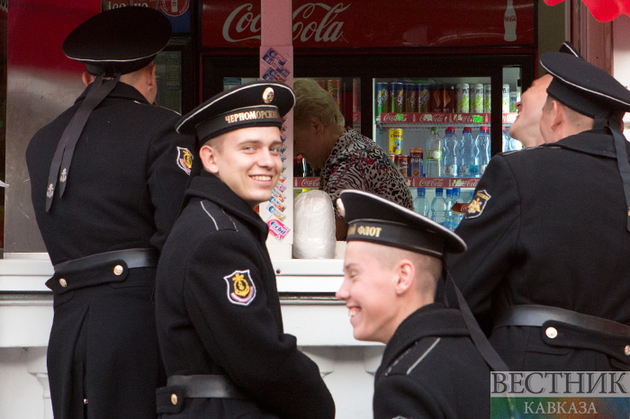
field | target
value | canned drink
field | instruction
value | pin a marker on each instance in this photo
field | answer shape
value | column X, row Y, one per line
column 403, row 165
column 487, row 98
column 415, row 162
column 436, row 92
column 450, row 98
column 398, row 97
column 505, row 98
column 515, row 97
column 463, row 98
column 334, row 87
column 323, row 84
column 423, row 98
column 411, row 96
column 476, row 98
column 395, row 141
column 382, row 98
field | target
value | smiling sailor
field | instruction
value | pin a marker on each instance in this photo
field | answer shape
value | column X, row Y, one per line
column 218, row 311
column 437, row 362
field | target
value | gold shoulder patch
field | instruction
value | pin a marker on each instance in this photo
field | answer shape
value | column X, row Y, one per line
column 241, row 289
column 184, row 159
column 477, row 204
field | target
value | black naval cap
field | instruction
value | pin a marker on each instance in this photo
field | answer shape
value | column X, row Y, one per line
column 584, row 87
column 568, row 48
column 258, row 104
column 120, row 40
column 374, row 219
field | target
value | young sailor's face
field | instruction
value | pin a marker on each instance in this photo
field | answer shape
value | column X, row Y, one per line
column 368, row 292
column 248, row 161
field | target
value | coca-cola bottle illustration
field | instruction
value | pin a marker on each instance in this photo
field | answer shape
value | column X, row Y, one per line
column 509, row 22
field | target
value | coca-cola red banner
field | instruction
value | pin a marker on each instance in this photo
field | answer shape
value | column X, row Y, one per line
column 376, row 23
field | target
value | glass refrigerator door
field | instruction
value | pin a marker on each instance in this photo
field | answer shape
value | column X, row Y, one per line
column 437, row 132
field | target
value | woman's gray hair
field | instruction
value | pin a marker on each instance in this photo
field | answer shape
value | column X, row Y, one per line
column 312, row 100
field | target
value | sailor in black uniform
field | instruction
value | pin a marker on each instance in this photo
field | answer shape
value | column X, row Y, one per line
column 218, row 311
column 107, row 181
column 547, row 270
column 434, row 365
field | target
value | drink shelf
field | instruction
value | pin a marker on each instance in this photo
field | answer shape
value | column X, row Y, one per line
column 386, row 120
column 442, row 182
column 412, row 182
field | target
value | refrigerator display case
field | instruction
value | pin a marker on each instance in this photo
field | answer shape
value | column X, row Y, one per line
column 354, row 81
column 407, row 112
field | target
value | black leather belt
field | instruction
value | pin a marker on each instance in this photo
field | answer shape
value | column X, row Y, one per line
column 171, row 399
column 134, row 258
column 536, row 315
column 205, row 386
column 100, row 268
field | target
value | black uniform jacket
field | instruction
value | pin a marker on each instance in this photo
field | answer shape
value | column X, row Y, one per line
column 126, row 182
column 549, row 228
column 125, row 188
column 218, row 312
column 431, row 369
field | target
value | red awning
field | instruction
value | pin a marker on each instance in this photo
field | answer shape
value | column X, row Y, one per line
column 602, row 10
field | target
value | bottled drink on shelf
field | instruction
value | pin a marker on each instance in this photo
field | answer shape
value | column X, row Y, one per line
column 334, row 88
column 308, row 170
column 395, row 140
column 449, row 153
column 438, row 207
column 449, row 98
column 433, row 155
column 421, row 204
column 463, row 98
column 423, row 98
column 468, row 162
column 398, row 97
column 382, row 98
column 457, row 198
column 436, row 93
column 411, row 97
column 476, row 98
column 416, row 167
column 403, row 165
column 298, row 167
column 448, row 223
column 487, row 98
column 509, row 143
column 483, row 144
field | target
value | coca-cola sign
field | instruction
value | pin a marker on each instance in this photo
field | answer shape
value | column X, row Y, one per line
column 307, row 26
column 306, row 182
column 374, row 23
column 312, row 22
